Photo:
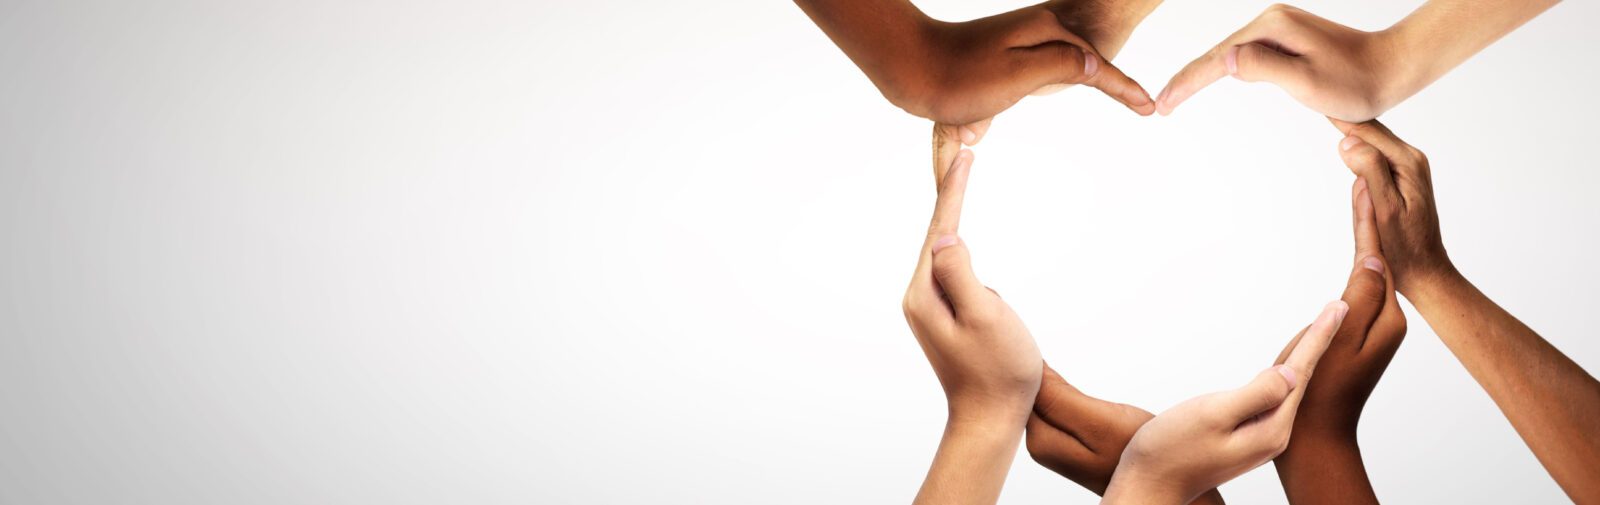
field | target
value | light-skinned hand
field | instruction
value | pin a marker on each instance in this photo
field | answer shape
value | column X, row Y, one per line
column 1082, row 437
column 984, row 356
column 1335, row 70
column 1208, row 440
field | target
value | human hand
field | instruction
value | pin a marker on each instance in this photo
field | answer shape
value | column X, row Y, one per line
column 1082, row 437
column 1362, row 348
column 1323, row 461
column 1208, row 440
column 1400, row 184
column 985, row 358
column 1335, row 70
column 967, row 72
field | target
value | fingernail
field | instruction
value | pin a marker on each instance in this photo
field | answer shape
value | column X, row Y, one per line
column 1349, row 142
column 1287, row 372
column 943, row 242
column 1090, row 64
column 1373, row 263
column 967, row 135
column 1231, row 58
column 1339, row 310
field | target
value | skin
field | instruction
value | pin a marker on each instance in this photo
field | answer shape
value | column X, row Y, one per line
column 984, row 357
column 1082, row 437
column 1350, row 74
column 1208, row 440
column 1553, row 404
column 1323, row 461
column 965, row 73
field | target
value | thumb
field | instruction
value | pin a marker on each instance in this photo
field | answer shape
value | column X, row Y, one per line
column 1257, row 62
column 952, row 270
column 1267, row 391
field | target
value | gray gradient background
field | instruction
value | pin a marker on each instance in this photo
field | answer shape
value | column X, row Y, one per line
column 602, row 252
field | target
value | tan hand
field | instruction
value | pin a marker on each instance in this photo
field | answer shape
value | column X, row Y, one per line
column 1400, row 184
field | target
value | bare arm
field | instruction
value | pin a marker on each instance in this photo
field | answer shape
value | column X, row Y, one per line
column 1442, row 34
column 1551, row 401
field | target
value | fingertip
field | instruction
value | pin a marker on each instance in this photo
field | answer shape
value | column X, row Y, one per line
column 1350, row 142
column 1373, row 263
column 1339, row 309
column 968, row 136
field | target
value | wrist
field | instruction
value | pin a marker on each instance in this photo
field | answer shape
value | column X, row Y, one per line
column 1129, row 486
column 1433, row 287
column 1317, row 448
column 990, row 415
column 1405, row 61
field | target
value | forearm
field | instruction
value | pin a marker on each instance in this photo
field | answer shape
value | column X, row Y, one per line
column 973, row 460
column 1443, row 33
column 1324, row 471
column 1553, row 404
column 882, row 37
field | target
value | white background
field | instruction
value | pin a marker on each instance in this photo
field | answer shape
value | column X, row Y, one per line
column 617, row 252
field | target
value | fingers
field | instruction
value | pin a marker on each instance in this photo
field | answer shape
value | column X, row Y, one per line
column 952, row 271
column 1051, row 440
column 924, row 290
column 1252, row 54
column 1364, row 222
column 1389, row 328
column 952, row 193
column 1110, row 80
column 949, row 264
column 946, row 147
column 1258, row 62
column 1267, row 391
column 1370, row 165
column 972, row 133
column 1365, row 294
column 1196, row 75
column 1053, row 447
column 1303, row 359
column 1062, row 405
column 1057, row 63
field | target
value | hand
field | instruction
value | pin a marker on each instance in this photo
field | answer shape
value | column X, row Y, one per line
column 1335, row 70
column 1400, row 184
column 1323, row 461
column 1082, row 437
column 968, row 72
column 984, row 357
column 1206, row 441
column 1361, row 349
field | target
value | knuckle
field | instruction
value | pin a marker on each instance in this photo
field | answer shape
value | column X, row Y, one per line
column 1277, row 14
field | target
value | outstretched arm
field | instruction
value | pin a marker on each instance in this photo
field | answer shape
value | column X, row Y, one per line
column 1346, row 73
column 1551, row 401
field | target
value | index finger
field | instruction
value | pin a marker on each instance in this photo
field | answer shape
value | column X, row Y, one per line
column 952, row 192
